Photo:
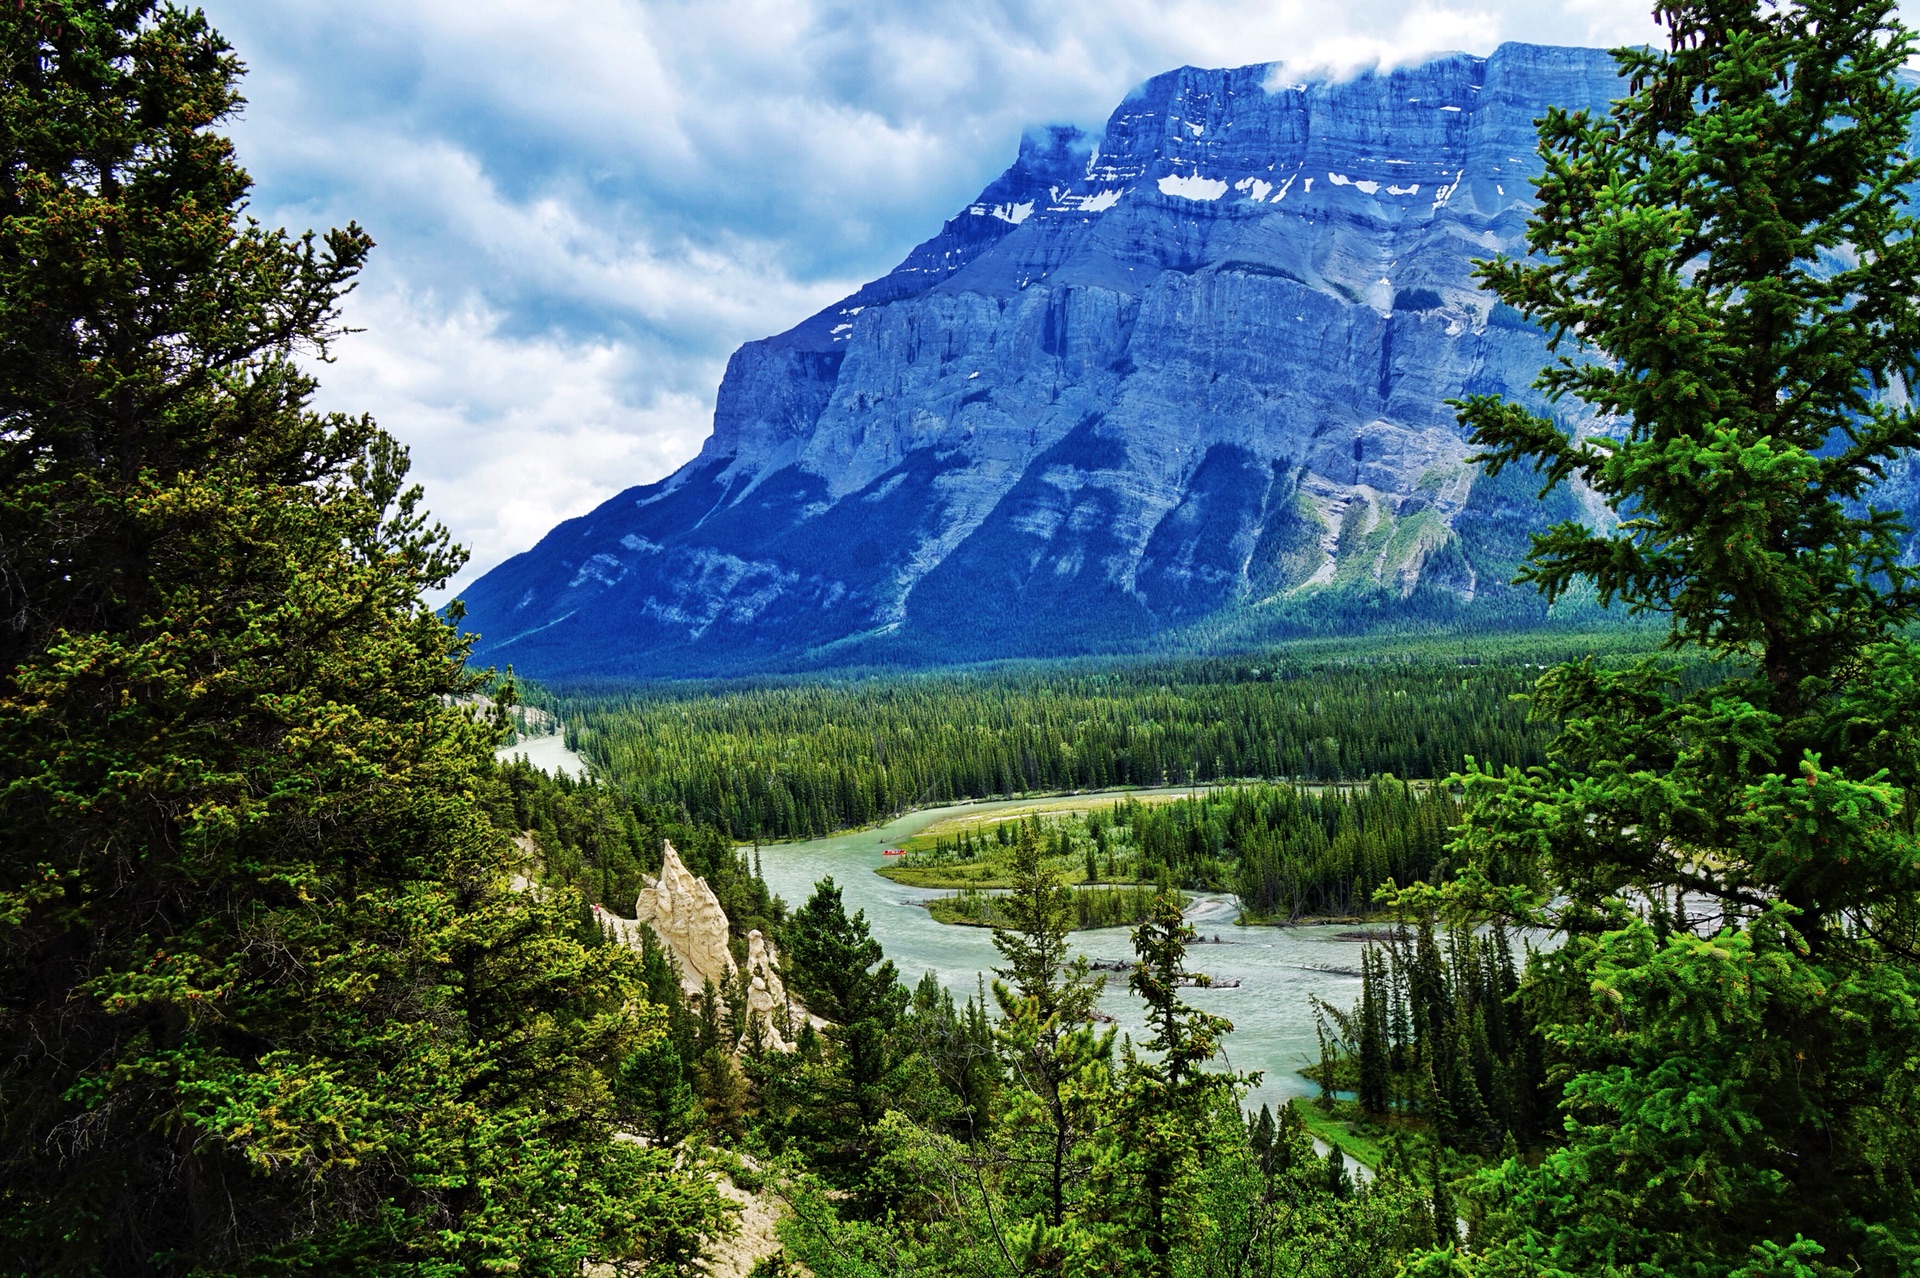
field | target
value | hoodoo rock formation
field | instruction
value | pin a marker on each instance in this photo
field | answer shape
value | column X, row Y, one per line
column 685, row 914
column 768, row 1003
column 686, row 918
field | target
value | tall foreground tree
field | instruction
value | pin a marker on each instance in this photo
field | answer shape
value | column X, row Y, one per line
column 265, row 1001
column 1168, row 1104
column 1731, row 265
column 1057, row 1058
column 831, row 1096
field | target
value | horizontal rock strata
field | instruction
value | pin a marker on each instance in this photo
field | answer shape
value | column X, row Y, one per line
column 1189, row 375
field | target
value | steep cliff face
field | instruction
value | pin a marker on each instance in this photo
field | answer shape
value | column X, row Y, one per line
column 1189, row 375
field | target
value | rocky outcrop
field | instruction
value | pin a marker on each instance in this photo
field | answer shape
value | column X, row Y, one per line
column 1188, row 375
column 529, row 861
column 769, row 1006
column 686, row 918
column 685, row 914
column 756, row 1236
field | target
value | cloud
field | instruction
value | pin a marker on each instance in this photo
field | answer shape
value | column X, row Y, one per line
column 511, row 434
column 583, row 206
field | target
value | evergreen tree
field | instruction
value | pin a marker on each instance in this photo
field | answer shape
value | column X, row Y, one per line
column 1375, row 1090
column 1263, row 1136
column 653, row 1083
column 1445, row 1221
column 1039, row 913
column 1338, row 1181
column 840, row 973
column 1057, row 1061
column 266, row 1001
column 1160, row 1139
column 1730, row 257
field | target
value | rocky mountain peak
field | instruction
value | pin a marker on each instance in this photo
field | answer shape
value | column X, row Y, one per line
column 1186, row 377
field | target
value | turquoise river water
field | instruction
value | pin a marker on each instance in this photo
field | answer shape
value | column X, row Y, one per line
column 1279, row 968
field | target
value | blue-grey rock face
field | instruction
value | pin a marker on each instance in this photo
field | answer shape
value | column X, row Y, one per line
column 1189, row 376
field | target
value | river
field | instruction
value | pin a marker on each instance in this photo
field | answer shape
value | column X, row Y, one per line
column 1279, row 968
column 548, row 753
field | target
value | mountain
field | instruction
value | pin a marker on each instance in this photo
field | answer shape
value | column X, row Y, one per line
column 1184, row 382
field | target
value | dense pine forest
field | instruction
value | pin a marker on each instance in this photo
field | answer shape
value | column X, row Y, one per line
column 297, row 978
column 1439, row 1042
column 802, row 760
column 1288, row 852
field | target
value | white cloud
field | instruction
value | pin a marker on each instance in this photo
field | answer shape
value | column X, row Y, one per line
column 512, row 434
column 509, row 436
column 584, row 206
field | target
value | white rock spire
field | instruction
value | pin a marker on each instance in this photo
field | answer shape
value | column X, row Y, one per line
column 686, row 917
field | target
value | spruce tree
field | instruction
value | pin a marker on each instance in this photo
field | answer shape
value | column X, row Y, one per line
column 1376, row 1077
column 1039, row 912
column 1728, row 265
column 1168, row 1101
column 840, row 972
column 1446, row 1230
column 266, row 1000
column 1262, row 1134
column 1057, row 1061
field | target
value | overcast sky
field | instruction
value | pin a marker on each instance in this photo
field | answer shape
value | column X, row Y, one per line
column 583, row 206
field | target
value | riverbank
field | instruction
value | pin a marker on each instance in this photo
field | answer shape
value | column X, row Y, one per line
column 1279, row 970
column 1093, row 908
column 1333, row 1130
column 1047, row 802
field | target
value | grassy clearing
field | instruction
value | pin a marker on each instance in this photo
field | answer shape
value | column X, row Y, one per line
column 977, row 824
column 1338, row 1130
column 1120, row 906
column 959, row 876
